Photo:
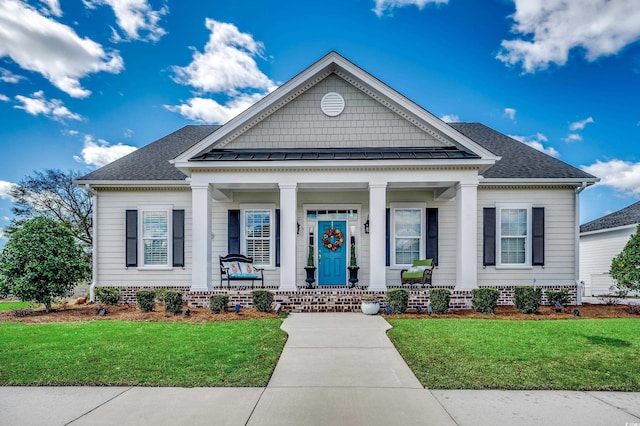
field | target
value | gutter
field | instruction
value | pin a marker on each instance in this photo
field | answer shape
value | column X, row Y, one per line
column 94, row 253
column 576, row 260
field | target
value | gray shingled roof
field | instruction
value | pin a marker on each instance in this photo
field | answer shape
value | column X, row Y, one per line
column 151, row 162
column 518, row 160
column 627, row 216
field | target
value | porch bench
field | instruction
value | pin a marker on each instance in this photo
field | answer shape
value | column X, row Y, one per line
column 238, row 267
column 420, row 273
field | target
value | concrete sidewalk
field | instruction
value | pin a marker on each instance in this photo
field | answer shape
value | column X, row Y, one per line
column 336, row 369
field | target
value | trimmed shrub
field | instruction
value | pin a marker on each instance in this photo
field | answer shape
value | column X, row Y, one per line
column 218, row 303
column 398, row 300
column 561, row 296
column 485, row 300
column 108, row 295
column 173, row 301
column 146, row 300
column 262, row 300
column 527, row 299
column 633, row 309
column 439, row 300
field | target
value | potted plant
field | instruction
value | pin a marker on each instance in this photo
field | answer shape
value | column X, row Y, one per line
column 370, row 305
column 353, row 265
column 310, row 268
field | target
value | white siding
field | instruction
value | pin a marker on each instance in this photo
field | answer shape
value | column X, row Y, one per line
column 364, row 123
column 560, row 231
column 111, row 238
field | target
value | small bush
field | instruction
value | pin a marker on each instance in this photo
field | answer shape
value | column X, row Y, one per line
column 485, row 300
column 561, row 296
column 146, row 300
column 527, row 299
column 439, row 300
column 108, row 295
column 19, row 313
column 262, row 300
column 634, row 309
column 173, row 301
column 218, row 303
column 398, row 300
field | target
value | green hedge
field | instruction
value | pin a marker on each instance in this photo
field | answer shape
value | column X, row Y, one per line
column 146, row 300
column 561, row 296
column 108, row 295
column 439, row 300
column 398, row 300
column 262, row 300
column 527, row 299
column 485, row 300
column 173, row 301
column 218, row 303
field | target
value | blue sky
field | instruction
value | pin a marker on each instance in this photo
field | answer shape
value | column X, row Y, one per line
column 83, row 82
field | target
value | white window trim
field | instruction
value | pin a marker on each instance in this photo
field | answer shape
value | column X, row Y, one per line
column 528, row 243
column 169, row 265
column 272, row 237
column 423, row 222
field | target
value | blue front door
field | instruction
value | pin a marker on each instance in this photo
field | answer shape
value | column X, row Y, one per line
column 332, row 261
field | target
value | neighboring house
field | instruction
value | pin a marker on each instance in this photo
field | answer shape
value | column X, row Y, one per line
column 335, row 148
column 600, row 241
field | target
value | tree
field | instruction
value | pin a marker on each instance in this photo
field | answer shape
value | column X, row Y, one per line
column 625, row 268
column 41, row 261
column 53, row 194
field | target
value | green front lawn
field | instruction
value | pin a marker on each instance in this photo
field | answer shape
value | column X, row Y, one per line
column 7, row 306
column 586, row 354
column 233, row 353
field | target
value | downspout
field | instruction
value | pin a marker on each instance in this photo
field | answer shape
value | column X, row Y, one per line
column 94, row 254
column 576, row 261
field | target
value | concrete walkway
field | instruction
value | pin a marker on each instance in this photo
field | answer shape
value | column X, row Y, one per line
column 336, row 369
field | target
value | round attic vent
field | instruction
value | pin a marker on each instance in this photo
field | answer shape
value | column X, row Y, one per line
column 332, row 104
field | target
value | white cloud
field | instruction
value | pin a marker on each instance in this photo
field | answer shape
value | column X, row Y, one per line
column 551, row 28
column 510, row 113
column 53, row 109
column 4, row 98
column 128, row 133
column 40, row 44
column 69, row 132
column 100, row 152
column 52, row 7
column 622, row 176
column 537, row 142
column 134, row 17
column 572, row 137
column 579, row 125
column 7, row 76
column 210, row 111
column 5, row 188
column 387, row 6
column 227, row 67
column 450, row 118
column 227, row 64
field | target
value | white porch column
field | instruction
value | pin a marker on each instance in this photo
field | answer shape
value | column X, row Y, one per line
column 377, row 235
column 288, row 208
column 201, row 237
column 467, row 236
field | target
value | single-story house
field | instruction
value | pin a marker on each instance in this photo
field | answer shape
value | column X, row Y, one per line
column 600, row 241
column 336, row 154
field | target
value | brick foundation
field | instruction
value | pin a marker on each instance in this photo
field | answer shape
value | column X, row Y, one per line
column 338, row 300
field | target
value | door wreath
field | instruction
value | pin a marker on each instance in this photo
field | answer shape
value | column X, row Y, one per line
column 333, row 239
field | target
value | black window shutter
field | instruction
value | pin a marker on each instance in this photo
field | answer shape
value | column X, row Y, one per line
column 388, row 237
column 131, row 233
column 432, row 235
column 489, row 236
column 178, row 238
column 233, row 229
column 277, row 237
column 537, row 251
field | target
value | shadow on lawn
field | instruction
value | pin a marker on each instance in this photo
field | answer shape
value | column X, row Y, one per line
column 608, row 341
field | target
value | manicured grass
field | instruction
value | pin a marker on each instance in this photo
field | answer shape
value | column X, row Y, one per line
column 585, row 354
column 233, row 353
column 7, row 306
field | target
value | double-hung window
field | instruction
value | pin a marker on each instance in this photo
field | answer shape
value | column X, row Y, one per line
column 258, row 234
column 513, row 235
column 155, row 232
column 407, row 233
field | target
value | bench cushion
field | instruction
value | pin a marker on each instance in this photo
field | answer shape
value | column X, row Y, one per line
column 245, row 276
column 423, row 262
column 247, row 268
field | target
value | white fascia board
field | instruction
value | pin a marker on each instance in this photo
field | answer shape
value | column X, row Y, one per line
column 617, row 228
column 132, row 183
column 535, row 181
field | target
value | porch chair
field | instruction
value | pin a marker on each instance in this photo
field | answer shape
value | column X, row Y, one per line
column 419, row 273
